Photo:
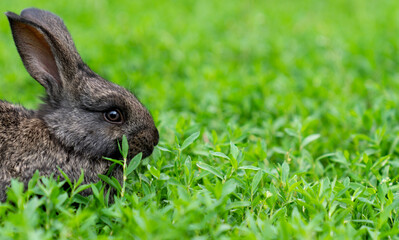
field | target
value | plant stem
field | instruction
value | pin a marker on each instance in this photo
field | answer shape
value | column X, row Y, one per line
column 124, row 177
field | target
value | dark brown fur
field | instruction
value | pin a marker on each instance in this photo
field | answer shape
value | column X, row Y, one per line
column 69, row 129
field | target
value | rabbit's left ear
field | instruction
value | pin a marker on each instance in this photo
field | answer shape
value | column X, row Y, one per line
column 46, row 48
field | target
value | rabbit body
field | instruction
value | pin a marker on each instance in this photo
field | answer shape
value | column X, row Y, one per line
column 82, row 117
column 26, row 145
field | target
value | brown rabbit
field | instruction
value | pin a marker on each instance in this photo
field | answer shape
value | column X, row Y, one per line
column 82, row 117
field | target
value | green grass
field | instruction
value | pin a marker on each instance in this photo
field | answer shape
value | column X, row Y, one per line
column 296, row 104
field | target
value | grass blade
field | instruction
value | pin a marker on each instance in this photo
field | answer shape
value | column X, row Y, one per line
column 309, row 139
column 116, row 185
column 255, row 182
column 189, row 140
column 125, row 147
column 210, row 169
column 134, row 164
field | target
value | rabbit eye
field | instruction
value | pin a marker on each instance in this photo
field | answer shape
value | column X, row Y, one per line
column 113, row 116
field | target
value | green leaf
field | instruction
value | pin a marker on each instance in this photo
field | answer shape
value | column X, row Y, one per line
column 189, row 140
column 95, row 190
column 163, row 177
column 249, row 168
column 255, row 181
column 238, row 204
column 365, row 158
column 389, row 210
column 294, row 185
column 33, row 181
column 163, row 149
column 234, row 150
column 228, row 187
column 210, row 169
column 82, row 188
column 106, row 199
column 16, row 190
column 79, row 199
column 291, row 132
column 65, row 177
column 116, row 185
column 187, row 166
column 219, row 154
column 234, row 163
column 62, row 198
column 285, row 171
column 31, row 208
column 309, row 139
column 81, row 178
column 114, row 161
column 134, row 164
column 183, row 194
column 154, row 172
column 125, row 147
column 380, row 161
column 173, row 181
column 327, row 155
column 264, row 146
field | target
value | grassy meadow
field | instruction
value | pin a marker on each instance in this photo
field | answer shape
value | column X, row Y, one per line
column 277, row 120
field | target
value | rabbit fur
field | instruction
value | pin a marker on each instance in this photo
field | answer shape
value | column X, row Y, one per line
column 83, row 115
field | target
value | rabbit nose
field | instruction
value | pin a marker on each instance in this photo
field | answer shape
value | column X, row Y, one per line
column 156, row 137
column 152, row 139
column 144, row 141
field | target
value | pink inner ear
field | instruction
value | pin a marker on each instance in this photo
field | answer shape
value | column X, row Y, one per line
column 36, row 53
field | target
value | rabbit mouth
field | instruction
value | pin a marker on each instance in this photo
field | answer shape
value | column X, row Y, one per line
column 146, row 150
column 143, row 142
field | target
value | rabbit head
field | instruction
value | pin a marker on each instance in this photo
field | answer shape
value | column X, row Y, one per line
column 82, row 111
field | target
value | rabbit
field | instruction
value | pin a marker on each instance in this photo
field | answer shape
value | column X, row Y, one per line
column 82, row 117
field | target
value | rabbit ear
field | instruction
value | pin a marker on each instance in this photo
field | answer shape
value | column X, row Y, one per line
column 46, row 48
